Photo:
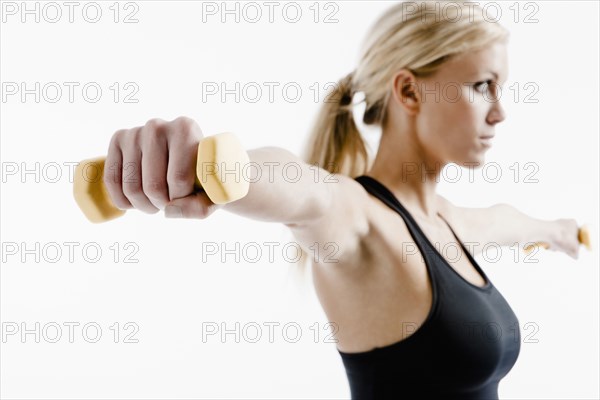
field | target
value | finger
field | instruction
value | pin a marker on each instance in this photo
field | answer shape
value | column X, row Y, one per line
column 154, row 168
column 113, row 170
column 195, row 206
column 183, row 150
column 132, row 175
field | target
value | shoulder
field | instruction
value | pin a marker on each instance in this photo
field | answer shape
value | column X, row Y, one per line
column 453, row 214
column 465, row 216
column 344, row 223
column 475, row 225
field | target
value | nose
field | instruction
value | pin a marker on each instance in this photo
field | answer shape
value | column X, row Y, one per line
column 496, row 114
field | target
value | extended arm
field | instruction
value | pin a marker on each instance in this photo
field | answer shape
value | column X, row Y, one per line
column 504, row 225
column 325, row 212
column 283, row 188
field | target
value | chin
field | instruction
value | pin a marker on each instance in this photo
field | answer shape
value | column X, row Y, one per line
column 474, row 162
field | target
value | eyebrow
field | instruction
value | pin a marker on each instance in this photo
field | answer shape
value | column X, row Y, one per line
column 494, row 73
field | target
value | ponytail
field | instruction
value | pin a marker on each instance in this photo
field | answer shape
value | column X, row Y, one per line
column 335, row 144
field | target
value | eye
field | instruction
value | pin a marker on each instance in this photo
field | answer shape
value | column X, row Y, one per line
column 485, row 84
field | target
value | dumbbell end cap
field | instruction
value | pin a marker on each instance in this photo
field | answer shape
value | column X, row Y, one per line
column 584, row 237
column 90, row 193
column 219, row 168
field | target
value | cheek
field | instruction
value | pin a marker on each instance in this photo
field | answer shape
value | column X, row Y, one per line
column 451, row 119
column 443, row 121
column 465, row 114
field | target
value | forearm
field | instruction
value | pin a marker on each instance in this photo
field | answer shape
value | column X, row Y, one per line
column 511, row 225
column 283, row 188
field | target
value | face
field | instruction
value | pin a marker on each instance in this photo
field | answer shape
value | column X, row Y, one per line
column 453, row 126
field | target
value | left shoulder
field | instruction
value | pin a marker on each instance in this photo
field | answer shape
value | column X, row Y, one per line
column 476, row 224
column 463, row 221
column 446, row 208
column 465, row 214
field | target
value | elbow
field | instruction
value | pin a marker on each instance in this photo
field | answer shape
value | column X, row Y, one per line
column 315, row 207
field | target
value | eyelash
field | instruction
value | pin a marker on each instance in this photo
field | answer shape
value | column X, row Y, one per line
column 489, row 82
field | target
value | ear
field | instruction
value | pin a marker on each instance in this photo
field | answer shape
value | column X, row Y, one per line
column 405, row 91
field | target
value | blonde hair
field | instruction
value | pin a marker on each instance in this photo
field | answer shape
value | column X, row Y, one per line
column 418, row 36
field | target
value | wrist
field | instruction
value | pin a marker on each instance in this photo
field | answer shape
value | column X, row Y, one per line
column 540, row 232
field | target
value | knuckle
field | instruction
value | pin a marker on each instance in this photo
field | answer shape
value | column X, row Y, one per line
column 183, row 120
column 118, row 135
column 112, row 174
column 154, row 123
column 154, row 128
column 179, row 178
column 109, row 181
column 117, row 138
column 130, row 139
column 131, row 170
column 574, row 224
column 155, row 187
column 131, row 189
column 188, row 126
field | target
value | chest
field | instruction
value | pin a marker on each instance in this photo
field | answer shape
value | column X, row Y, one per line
column 378, row 296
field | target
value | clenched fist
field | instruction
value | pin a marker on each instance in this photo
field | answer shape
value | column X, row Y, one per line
column 565, row 237
column 153, row 167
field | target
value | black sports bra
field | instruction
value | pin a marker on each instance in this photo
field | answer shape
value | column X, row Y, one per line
column 469, row 341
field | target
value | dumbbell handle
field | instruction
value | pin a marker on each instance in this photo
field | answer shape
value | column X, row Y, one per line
column 583, row 235
column 221, row 152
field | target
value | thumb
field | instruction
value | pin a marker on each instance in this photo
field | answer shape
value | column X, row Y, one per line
column 194, row 206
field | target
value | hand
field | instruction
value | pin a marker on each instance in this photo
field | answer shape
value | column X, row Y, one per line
column 564, row 237
column 153, row 167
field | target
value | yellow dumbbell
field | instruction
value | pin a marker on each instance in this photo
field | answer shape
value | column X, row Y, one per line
column 218, row 156
column 583, row 235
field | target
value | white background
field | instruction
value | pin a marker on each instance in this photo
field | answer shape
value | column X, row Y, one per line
column 170, row 293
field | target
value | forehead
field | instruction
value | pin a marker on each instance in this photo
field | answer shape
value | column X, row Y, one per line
column 491, row 58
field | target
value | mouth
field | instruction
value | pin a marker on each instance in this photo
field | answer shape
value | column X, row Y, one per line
column 486, row 140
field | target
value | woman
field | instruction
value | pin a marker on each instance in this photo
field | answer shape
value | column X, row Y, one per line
column 411, row 320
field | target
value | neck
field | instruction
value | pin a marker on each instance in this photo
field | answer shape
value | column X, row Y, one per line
column 412, row 175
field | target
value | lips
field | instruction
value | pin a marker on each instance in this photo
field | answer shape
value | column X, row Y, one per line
column 487, row 137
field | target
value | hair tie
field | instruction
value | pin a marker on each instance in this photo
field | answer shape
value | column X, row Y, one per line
column 347, row 92
column 346, row 99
